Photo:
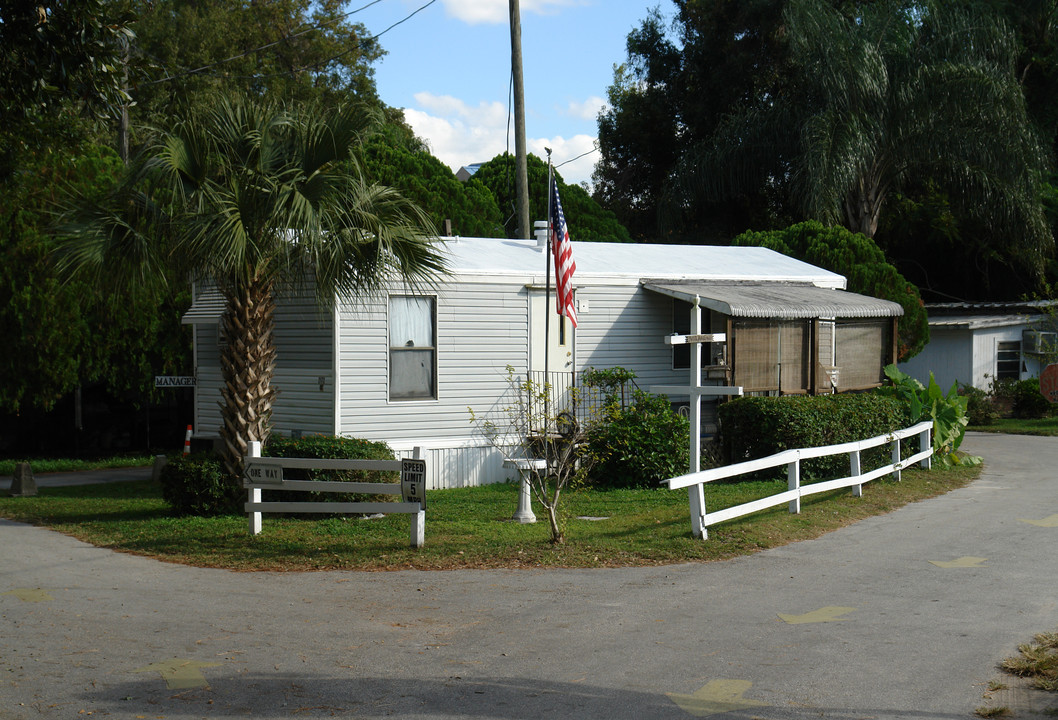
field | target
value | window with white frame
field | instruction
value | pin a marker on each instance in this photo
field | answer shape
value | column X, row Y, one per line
column 1008, row 360
column 412, row 347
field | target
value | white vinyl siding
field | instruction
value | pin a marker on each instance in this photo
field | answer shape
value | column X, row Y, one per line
column 304, row 375
column 481, row 328
column 304, row 357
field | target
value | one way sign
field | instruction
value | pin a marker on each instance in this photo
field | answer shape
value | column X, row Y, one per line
column 257, row 473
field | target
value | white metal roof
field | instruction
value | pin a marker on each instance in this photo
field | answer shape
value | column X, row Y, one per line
column 778, row 300
column 630, row 263
column 634, row 261
column 981, row 322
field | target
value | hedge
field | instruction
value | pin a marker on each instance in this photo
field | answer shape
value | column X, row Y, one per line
column 755, row 427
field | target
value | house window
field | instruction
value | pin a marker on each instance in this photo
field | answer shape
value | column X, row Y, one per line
column 862, row 349
column 412, row 348
column 1008, row 360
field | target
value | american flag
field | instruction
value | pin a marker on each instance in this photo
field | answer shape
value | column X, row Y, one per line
column 563, row 250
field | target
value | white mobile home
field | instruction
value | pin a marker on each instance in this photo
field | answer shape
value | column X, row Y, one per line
column 405, row 367
column 976, row 343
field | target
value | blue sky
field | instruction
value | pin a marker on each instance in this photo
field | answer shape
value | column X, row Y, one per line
column 449, row 68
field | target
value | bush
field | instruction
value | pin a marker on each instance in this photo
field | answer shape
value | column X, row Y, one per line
column 198, row 485
column 640, row 445
column 755, row 427
column 330, row 447
column 980, row 408
column 1029, row 402
column 947, row 412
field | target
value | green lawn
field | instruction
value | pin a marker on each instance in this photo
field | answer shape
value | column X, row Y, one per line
column 467, row 528
column 1019, row 426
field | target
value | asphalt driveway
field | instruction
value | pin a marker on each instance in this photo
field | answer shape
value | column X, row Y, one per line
column 899, row 616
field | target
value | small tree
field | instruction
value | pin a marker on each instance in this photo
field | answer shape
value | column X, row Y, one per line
column 528, row 424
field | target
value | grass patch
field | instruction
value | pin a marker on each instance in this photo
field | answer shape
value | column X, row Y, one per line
column 1038, row 661
column 1020, row 426
column 993, row 712
column 465, row 528
column 46, row 465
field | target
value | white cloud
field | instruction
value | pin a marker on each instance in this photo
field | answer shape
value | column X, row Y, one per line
column 485, row 113
column 459, row 134
column 587, row 110
column 476, row 12
column 574, row 158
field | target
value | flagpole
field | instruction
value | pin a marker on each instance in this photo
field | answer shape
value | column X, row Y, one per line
column 547, row 304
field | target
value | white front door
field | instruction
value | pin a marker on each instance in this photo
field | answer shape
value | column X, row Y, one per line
column 558, row 343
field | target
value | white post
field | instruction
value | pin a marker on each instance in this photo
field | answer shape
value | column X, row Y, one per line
column 896, row 456
column 696, row 495
column 255, row 493
column 924, row 442
column 696, row 398
column 418, row 520
column 418, row 528
column 854, row 471
column 793, row 482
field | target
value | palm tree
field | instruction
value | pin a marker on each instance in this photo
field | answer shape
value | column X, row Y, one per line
column 889, row 93
column 258, row 199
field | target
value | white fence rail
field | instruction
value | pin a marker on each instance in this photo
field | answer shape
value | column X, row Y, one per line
column 266, row 473
column 695, row 482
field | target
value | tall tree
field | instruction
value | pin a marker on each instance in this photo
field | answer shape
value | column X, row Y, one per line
column 889, row 94
column 397, row 158
column 587, row 220
column 255, row 198
column 288, row 50
column 862, row 263
column 671, row 93
column 55, row 50
column 58, row 336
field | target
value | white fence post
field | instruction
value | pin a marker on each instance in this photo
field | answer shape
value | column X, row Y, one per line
column 793, row 482
column 925, row 441
column 418, row 519
column 696, row 495
column 896, row 456
column 854, row 471
column 255, row 493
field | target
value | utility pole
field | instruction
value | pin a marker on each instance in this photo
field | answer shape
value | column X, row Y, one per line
column 521, row 164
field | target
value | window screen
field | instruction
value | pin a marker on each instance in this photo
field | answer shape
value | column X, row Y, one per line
column 412, row 348
column 861, row 353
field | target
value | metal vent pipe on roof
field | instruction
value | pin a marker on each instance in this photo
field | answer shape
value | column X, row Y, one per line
column 540, row 231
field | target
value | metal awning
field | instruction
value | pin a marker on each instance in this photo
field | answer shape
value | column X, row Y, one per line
column 207, row 307
column 776, row 300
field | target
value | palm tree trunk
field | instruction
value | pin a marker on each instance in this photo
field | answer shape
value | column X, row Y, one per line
column 247, row 363
column 863, row 206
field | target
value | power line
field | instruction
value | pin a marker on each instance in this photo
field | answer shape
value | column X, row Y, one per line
column 595, row 148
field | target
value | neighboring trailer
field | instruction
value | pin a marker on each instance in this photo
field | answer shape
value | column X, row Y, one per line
column 976, row 343
column 408, row 367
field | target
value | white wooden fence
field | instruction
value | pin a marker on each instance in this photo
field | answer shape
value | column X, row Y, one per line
column 266, row 473
column 695, row 482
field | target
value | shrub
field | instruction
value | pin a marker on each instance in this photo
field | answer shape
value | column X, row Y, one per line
column 928, row 402
column 980, row 408
column 330, row 447
column 199, row 485
column 1029, row 402
column 755, row 427
column 640, row 445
